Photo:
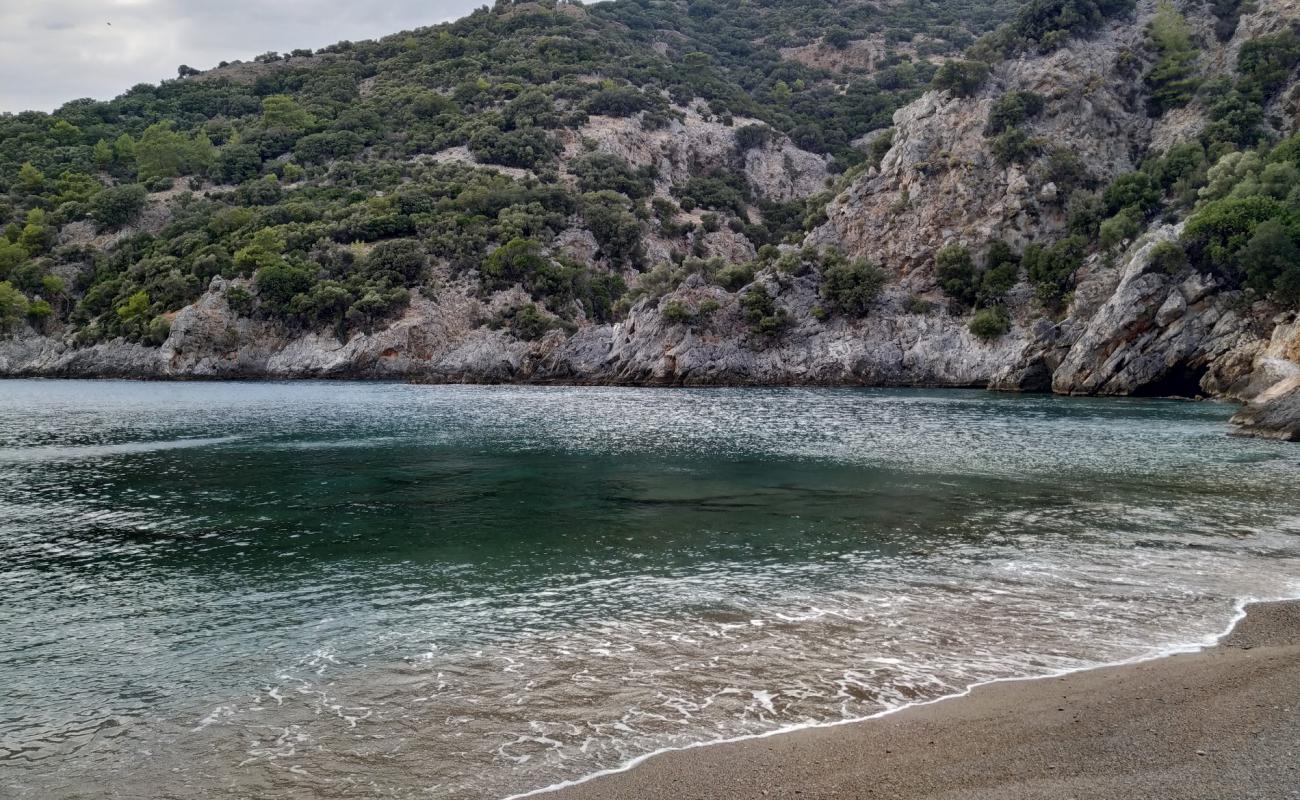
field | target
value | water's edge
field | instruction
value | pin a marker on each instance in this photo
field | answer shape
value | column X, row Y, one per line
column 1241, row 609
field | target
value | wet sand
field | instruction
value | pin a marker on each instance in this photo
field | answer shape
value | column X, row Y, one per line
column 1222, row 723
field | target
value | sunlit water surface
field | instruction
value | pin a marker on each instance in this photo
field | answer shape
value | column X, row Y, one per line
column 377, row 590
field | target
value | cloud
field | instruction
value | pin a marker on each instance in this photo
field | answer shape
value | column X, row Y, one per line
column 54, row 51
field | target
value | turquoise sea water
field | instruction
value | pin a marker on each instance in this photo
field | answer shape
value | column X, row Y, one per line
column 382, row 590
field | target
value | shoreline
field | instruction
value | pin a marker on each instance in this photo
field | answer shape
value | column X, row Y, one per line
column 777, row 763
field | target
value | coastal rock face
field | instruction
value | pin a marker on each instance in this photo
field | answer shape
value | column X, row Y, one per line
column 888, row 348
column 1156, row 334
column 941, row 184
column 1274, row 414
column 777, row 170
column 439, row 338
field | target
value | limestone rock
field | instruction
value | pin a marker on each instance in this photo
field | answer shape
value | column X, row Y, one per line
column 1275, row 414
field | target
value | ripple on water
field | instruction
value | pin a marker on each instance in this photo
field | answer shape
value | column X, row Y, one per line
column 468, row 592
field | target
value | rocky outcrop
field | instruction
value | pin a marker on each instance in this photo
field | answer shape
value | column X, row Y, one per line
column 941, row 183
column 1275, row 414
column 1157, row 334
column 776, row 170
column 441, row 338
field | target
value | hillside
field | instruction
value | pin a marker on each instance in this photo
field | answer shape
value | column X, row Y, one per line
column 1083, row 196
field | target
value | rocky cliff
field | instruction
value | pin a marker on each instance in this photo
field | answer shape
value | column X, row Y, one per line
column 1130, row 325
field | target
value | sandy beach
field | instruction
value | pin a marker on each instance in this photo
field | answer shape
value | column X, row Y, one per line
column 1221, row 723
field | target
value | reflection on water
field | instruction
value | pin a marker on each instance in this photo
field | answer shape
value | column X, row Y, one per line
column 322, row 590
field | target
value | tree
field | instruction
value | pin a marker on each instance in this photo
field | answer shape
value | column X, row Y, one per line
column 1265, row 62
column 36, row 237
column 238, row 163
column 1001, row 271
column 524, row 148
column 278, row 283
column 135, row 308
column 1136, row 190
column 1012, row 109
column 30, row 179
column 761, row 311
column 615, row 229
column 13, row 306
column 749, row 137
column 961, row 78
column 118, row 205
column 512, row 263
column 1220, row 229
column 103, row 154
column 1271, row 262
column 65, row 133
column 838, row 37
column 124, row 151
column 616, row 101
column 320, row 147
column 990, row 323
column 11, row 255
column 851, row 287
column 954, row 269
column 262, row 251
column 399, row 260
column 1052, row 269
column 162, row 152
column 1171, row 83
column 1121, row 228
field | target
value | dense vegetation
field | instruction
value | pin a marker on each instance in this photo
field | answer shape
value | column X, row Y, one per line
column 310, row 176
column 302, row 171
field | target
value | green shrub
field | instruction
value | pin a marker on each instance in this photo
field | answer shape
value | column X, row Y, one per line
column 511, row 263
column 761, row 312
column 1171, row 83
column 954, row 269
column 1266, row 62
column 1014, row 146
column 528, row 323
column 720, row 192
column 1221, row 229
column 1270, row 262
column 1051, row 269
column 961, row 78
column 401, row 261
column 1012, row 109
column 118, row 205
column 749, row 137
column 851, row 287
column 990, row 323
column 1136, row 190
column 1084, row 213
column 918, row 305
column 616, row 101
column 1120, row 228
column 617, row 231
column 1001, row 271
column 604, row 171
column 526, row 147
column 734, row 276
column 1169, row 257
column 675, row 312
column 13, row 306
column 277, row 283
column 159, row 329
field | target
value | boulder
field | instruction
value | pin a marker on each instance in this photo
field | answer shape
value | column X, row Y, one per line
column 1274, row 414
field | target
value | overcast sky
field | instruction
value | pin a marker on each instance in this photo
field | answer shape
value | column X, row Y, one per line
column 53, row 51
